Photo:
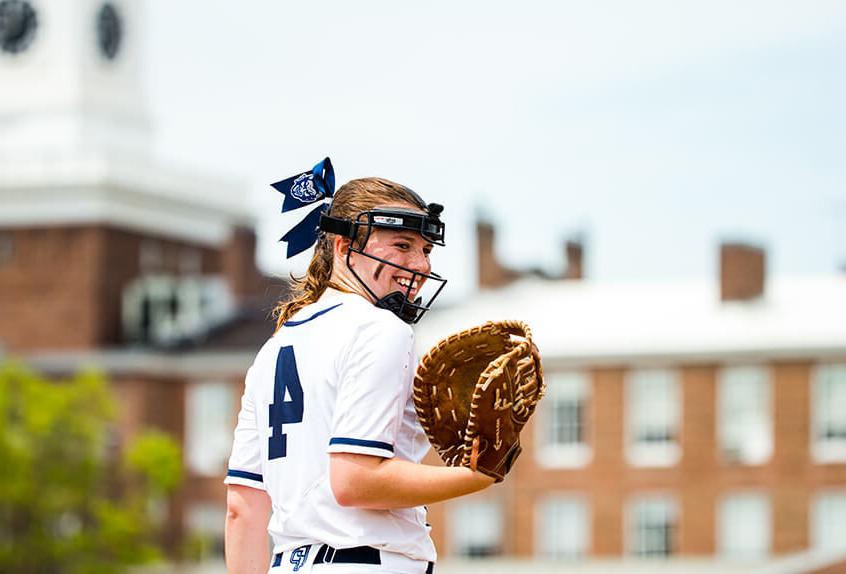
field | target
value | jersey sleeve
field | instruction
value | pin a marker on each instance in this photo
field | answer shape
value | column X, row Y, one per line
column 245, row 460
column 372, row 389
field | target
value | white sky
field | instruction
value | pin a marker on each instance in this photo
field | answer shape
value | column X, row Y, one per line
column 654, row 128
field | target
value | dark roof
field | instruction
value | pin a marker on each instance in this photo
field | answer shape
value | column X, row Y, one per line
column 247, row 329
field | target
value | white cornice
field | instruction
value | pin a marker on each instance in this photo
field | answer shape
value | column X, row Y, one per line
column 585, row 323
column 133, row 194
column 138, row 362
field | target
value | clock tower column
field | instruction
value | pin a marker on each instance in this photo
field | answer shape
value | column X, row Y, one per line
column 71, row 72
column 89, row 218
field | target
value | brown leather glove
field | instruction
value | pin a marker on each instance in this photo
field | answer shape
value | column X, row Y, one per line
column 475, row 390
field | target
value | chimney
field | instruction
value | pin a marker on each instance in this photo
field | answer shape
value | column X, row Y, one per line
column 239, row 267
column 742, row 272
column 574, row 253
column 491, row 273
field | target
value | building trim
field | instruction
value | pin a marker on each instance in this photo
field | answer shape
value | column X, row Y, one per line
column 126, row 194
column 720, row 357
column 145, row 362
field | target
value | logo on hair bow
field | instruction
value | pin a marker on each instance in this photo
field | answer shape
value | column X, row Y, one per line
column 307, row 195
column 304, row 190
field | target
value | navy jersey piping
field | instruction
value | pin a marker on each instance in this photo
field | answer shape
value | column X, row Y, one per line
column 244, row 474
column 360, row 442
column 315, row 316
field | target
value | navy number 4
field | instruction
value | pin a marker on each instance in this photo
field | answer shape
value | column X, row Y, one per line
column 282, row 411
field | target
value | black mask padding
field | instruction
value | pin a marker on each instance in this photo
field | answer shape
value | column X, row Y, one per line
column 397, row 304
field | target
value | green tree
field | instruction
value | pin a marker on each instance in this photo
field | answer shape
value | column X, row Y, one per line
column 68, row 504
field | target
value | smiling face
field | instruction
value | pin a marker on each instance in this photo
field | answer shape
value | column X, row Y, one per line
column 401, row 248
column 397, row 248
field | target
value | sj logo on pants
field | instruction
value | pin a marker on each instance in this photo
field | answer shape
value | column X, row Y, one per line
column 299, row 556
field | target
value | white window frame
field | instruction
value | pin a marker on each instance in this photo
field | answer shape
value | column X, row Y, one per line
column 644, row 453
column 631, row 535
column 208, row 436
column 824, row 501
column 205, row 520
column 755, row 447
column 726, row 537
column 7, row 248
column 201, row 302
column 488, row 523
column 569, row 386
column 547, row 549
column 826, row 450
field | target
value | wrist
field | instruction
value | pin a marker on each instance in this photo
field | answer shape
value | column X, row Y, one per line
column 483, row 479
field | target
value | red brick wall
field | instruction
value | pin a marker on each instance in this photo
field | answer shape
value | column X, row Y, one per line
column 48, row 289
column 697, row 483
column 603, row 476
column 790, row 466
column 62, row 287
column 699, row 462
column 238, row 265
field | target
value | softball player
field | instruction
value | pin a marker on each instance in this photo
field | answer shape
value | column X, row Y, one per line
column 327, row 449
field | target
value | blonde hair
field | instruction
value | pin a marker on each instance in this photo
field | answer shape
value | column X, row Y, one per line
column 351, row 199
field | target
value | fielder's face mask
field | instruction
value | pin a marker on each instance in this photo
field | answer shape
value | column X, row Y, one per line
column 428, row 225
column 308, row 197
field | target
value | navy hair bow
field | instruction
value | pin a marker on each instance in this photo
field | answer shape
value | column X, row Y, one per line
column 311, row 192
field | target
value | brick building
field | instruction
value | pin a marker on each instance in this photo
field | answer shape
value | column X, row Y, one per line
column 110, row 259
column 681, row 420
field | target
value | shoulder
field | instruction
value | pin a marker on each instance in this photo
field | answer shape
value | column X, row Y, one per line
column 361, row 315
column 341, row 322
column 265, row 358
column 380, row 323
column 365, row 331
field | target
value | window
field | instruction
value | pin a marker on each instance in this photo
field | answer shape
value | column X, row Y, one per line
column 561, row 430
column 745, row 420
column 476, row 528
column 7, row 248
column 652, row 417
column 828, row 521
column 563, row 528
column 209, row 420
column 829, row 416
column 652, row 527
column 744, row 526
column 164, row 310
column 204, row 523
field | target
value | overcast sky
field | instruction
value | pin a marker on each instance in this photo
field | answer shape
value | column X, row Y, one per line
column 652, row 129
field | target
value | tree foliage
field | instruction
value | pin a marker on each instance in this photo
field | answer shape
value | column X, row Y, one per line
column 68, row 503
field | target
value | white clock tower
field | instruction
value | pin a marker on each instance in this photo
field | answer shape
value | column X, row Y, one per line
column 78, row 179
column 72, row 80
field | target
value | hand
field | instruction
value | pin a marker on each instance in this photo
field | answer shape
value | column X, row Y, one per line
column 474, row 456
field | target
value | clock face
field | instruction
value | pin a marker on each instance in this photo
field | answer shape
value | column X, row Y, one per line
column 18, row 23
column 109, row 30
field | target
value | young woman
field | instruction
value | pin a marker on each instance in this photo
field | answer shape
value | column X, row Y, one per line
column 327, row 450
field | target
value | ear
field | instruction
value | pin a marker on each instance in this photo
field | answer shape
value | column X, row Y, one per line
column 340, row 246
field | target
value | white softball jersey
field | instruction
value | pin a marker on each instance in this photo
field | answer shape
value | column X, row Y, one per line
column 335, row 378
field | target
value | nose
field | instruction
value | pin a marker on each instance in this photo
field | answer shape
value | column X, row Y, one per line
column 419, row 262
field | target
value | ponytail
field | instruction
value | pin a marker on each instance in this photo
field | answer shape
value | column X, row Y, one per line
column 309, row 288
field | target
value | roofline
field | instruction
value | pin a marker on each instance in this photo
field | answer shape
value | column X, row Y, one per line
column 138, row 362
column 693, row 358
